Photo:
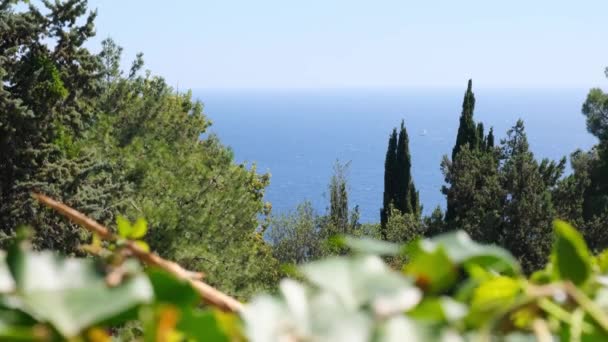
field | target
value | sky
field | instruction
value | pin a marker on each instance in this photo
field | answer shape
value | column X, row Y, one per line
column 244, row 44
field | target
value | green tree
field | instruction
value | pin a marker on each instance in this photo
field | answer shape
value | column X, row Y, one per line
column 434, row 224
column 470, row 135
column 296, row 237
column 390, row 186
column 204, row 209
column 528, row 209
column 406, row 196
column 475, row 195
column 399, row 190
column 338, row 206
column 50, row 83
column 467, row 131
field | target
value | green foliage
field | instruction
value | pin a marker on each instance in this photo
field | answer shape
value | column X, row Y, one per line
column 338, row 203
column 459, row 193
column 296, row 238
column 571, row 257
column 467, row 131
column 451, row 289
column 46, row 105
column 475, row 194
column 400, row 194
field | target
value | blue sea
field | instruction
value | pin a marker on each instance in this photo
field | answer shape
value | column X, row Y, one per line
column 297, row 135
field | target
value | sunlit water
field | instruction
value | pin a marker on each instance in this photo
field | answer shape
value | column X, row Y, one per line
column 297, row 135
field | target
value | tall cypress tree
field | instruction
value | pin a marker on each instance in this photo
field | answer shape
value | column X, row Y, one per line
column 402, row 173
column 389, row 178
column 481, row 139
column 467, row 131
column 399, row 190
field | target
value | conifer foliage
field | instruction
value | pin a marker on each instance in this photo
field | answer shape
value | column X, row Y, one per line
column 399, row 190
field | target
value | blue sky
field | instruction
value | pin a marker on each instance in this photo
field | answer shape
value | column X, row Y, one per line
column 352, row 43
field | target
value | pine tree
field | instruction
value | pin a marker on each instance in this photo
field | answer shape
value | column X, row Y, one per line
column 528, row 210
column 47, row 100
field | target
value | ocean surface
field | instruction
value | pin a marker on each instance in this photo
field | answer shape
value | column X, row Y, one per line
column 297, row 135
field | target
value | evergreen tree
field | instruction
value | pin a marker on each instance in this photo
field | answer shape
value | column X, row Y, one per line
column 47, row 101
column 595, row 109
column 490, row 140
column 475, row 194
column 481, row 138
column 467, row 130
column 338, row 208
column 472, row 135
column 434, row 224
column 399, row 191
column 405, row 197
column 389, row 179
column 528, row 210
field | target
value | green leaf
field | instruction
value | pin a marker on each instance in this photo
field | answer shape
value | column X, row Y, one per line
column 139, row 229
column 202, row 325
column 143, row 245
column 433, row 271
column 571, row 257
column 496, row 294
column 124, row 226
column 439, row 309
column 72, row 294
column 461, row 249
column 169, row 289
column 367, row 245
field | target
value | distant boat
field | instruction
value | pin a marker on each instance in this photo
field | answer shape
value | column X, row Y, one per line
column 424, row 132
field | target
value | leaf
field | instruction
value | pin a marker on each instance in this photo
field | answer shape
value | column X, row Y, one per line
column 70, row 293
column 367, row 245
column 495, row 294
column 433, row 271
column 124, row 226
column 461, row 249
column 439, row 309
column 571, row 257
column 139, row 229
column 202, row 325
column 357, row 280
column 143, row 245
column 169, row 289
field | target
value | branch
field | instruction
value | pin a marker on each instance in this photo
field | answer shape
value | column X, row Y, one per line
column 209, row 294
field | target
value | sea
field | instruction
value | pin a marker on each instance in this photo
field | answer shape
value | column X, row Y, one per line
column 298, row 135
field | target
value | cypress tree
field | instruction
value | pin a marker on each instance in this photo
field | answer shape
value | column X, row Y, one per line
column 389, row 179
column 467, row 132
column 481, row 139
column 402, row 173
column 399, row 190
